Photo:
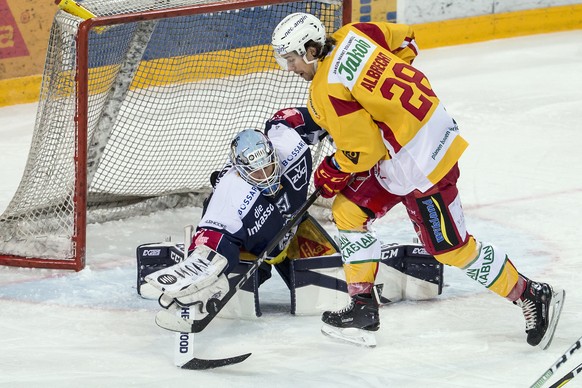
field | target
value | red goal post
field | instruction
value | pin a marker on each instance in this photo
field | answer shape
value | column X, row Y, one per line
column 137, row 107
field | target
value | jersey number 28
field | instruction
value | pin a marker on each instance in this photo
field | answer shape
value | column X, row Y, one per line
column 408, row 75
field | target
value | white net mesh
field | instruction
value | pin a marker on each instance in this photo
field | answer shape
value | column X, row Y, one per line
column 165, row 97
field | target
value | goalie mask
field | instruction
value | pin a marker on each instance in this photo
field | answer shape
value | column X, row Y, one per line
column 256, row 161
column 293, row 32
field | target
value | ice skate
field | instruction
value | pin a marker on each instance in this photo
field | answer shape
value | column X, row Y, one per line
column 541, row 307
column 355, row 323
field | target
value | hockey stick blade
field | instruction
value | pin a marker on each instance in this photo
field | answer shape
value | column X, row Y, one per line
column 569, row 376
column 202, row 364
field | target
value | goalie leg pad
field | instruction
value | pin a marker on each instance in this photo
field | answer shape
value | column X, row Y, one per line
column 152, row 258
column 408, row 272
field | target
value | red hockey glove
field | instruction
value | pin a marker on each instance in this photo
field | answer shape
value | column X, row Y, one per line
column 329, row 178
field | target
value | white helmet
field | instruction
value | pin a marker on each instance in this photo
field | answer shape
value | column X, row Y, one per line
column 293, row 32
column 253, row 155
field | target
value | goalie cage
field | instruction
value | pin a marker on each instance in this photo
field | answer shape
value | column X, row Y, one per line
column 137, row 108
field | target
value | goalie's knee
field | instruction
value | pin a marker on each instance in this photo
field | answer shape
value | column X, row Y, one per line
column 408, row 272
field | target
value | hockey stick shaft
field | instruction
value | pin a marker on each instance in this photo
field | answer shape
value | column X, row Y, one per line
column 214, row 305
column 184, row 342
column 559, row 362
column 566, row 378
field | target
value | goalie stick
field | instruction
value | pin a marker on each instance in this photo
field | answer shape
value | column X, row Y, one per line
column 172, row 322
column 552, row 369
column 184, row 342
column 184, row 352
column 202, row 364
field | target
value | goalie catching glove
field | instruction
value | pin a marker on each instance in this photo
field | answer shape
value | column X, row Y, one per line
column 329, row 178
column 193, row 281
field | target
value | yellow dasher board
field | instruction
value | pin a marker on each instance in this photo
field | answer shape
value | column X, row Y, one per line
column 374, row 10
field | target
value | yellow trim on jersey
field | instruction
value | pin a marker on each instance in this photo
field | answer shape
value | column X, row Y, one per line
column 377, row 107
column 345, row 95
column 453, row 154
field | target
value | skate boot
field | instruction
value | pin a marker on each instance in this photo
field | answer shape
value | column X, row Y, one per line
column 361, row 313
column 356, row 322
column 541, row 308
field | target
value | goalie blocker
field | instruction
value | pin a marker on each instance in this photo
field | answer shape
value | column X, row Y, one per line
column 313, row 274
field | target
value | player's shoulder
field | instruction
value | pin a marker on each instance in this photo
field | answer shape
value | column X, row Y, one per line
column 283, row 136
column 294, row 117
column 348, row 60
column 231, row 201
column 231, row 190
column 289, row 145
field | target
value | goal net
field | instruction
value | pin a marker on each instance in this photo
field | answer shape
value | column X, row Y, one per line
column 138, row 105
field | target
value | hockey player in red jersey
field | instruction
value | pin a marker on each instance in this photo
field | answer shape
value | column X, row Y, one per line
column 395, row 144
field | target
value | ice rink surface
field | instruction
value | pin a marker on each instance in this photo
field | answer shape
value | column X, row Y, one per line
column 519, row 104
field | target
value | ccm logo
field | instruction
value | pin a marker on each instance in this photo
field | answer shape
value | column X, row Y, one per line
column 176, row 258
column 152, row 252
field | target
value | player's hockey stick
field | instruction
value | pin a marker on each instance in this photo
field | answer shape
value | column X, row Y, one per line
column 559, row 362
column 569, row 376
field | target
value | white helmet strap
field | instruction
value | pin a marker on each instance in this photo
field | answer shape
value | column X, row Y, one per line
column 313, row 61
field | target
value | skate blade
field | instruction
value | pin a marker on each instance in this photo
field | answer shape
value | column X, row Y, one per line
column 351, row 334
column 556, row 305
